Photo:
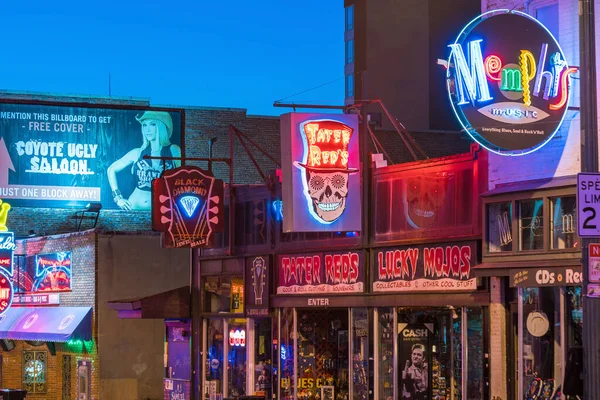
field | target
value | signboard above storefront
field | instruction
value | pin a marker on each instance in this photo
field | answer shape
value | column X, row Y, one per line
column 58, row 156
column 257, row 286
column 508, row 82
column 554, row 276
column 320, row 165
column 331, row 273
column 426, row 268
column 187, row 206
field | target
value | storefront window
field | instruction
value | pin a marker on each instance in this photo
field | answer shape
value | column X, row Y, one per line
column 386, row 353
column 429, row 353
column 455, row 358
column 322, row 345
column 475, row 353
column 34, row 371
column 224, row 294
column 563, row 220
column 360, row 354
column 531, row 224
column 543, row 351
column 499, row 227
column 214, row 359
column 287, row 383
column 236, row 357
column 263, row 367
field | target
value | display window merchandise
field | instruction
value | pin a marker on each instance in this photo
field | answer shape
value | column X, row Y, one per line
column 388, row 353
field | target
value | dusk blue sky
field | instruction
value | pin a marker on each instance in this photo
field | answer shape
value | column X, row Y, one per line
column 243, row 54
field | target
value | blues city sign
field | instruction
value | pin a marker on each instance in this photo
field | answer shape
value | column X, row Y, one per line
column 508, row 82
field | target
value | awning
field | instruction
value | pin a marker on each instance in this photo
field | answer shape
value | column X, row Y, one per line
column 170, row 304
column 498, row 269
column 538, row 184
column 47, row 324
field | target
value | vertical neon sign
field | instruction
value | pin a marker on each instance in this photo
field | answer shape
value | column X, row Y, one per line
column 320, row 161
column 7, row 248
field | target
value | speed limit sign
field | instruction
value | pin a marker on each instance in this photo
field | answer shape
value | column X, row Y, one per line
column 588, row 204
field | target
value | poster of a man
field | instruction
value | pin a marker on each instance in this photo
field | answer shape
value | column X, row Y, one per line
column 415, row 375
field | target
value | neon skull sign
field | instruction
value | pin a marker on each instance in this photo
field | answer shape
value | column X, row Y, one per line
column 326, row 172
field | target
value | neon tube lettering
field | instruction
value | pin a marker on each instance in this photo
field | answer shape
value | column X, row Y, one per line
column 564, row 90
column 493, row 65
column 543, row 74
column 527, row 64
column 473, row 80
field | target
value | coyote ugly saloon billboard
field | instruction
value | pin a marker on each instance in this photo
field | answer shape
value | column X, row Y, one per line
column 59, row 156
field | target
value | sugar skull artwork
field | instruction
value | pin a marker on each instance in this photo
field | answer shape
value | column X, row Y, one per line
column 424, row 196
column 325, row 168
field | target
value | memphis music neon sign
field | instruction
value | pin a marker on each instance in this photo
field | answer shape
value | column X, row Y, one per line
column 508, row 82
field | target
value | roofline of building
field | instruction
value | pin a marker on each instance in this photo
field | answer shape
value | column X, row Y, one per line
column 75, row 95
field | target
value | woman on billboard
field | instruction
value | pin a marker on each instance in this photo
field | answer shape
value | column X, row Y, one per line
column 157, row 128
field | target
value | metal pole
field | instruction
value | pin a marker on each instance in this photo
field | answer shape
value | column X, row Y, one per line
column 366, row 172
column 589, row 163
column 195, row 308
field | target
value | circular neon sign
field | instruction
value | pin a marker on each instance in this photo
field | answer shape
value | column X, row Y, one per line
column 508, row 82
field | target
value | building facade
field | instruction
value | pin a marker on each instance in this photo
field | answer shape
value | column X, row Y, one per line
column 114, row 254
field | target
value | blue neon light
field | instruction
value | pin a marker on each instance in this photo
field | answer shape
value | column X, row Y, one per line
column 189, row 204
column 458, row 112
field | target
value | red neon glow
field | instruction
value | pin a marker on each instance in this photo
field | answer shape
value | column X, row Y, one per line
column 564, row 89
column 327, row 144
column 493, row 65
column 237, row 338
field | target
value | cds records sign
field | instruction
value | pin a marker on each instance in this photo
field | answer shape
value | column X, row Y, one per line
column 187, row 205
column 508, row 82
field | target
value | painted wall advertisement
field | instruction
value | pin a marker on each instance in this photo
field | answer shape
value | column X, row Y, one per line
column 57, row 156
column 333, row 273
column 425, row 268
column 508, row 81
column 320, row 164
column 257, row 286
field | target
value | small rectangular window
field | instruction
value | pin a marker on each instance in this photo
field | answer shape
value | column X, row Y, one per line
column 350, row 18
column 499, row 227
column 34, row 371
column 531, row 224
column 548, row 16
column 349, row 85
column 350, row 51
column 563, row 220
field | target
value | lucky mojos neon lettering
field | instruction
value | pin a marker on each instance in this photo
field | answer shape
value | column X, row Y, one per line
column 528, row 76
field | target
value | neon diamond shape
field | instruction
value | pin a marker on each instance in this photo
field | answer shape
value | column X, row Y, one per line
column 189, row 203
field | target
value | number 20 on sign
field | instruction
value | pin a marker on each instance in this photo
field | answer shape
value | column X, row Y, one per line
column 588, row 204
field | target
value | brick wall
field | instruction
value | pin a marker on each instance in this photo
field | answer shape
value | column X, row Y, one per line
column 83, row 281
